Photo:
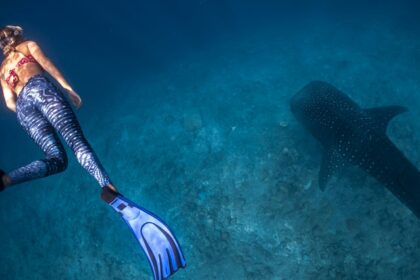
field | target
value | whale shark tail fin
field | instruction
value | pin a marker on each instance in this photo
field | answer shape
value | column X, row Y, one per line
column 383, row 115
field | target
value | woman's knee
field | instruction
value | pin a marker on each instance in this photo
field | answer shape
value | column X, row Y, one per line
column 57, row 164
column 64, row 163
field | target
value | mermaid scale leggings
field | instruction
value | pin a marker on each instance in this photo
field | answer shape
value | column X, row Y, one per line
column 42, row 110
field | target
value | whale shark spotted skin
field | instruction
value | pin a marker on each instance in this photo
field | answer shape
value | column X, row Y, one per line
column 356, row 136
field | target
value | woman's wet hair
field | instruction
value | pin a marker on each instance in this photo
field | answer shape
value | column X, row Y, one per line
column 10, row 36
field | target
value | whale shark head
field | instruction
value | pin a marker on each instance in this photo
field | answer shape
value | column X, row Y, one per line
column 313, row 95
column 320, row 107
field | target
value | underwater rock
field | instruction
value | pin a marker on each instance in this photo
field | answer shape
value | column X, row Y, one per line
column 284, row 124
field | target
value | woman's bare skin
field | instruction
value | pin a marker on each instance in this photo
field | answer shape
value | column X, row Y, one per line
column 25, row 72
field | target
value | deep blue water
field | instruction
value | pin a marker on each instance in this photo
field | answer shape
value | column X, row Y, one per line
column 187, row 105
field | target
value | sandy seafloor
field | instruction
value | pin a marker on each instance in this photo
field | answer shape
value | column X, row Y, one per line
column 210, row 145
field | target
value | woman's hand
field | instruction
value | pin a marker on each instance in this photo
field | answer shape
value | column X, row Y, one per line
column 75, row 98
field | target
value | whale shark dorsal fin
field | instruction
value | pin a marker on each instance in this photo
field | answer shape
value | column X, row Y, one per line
column 383, row 115
column 331, row 162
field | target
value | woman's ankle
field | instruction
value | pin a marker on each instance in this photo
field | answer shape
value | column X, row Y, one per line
column 112, row 187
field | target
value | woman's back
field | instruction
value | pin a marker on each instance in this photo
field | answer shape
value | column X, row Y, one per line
column 19, row 66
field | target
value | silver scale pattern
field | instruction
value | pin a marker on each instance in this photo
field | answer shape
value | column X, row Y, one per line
column 43, row 111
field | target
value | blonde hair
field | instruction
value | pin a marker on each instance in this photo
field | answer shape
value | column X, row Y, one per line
column 10, row 36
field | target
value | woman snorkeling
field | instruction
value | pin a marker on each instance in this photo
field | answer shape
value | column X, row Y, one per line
column 42, row 110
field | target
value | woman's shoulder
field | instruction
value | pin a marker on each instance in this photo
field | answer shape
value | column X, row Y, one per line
column 24, row 46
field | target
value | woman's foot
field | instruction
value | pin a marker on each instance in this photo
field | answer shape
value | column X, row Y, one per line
column 4, row 180
column 109, row 193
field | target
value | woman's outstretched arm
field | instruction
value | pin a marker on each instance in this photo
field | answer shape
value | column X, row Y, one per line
column 9, row 97
column 49, row 66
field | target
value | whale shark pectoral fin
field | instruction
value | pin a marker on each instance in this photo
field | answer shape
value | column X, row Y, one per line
column 383, row 115
column 331, row 162
column 324, row 175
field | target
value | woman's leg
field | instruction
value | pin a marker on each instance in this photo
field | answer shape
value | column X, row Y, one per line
column 59, row 113
column 41, row 131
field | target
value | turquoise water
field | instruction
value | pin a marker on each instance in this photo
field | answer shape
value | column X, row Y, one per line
column 187, row 105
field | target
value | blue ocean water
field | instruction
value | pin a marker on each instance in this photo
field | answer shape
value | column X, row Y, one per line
column 187, row 105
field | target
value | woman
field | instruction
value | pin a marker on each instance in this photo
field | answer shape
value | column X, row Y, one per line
column 41, row 109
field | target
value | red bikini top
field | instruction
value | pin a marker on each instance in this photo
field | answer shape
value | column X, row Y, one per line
column 13, row 79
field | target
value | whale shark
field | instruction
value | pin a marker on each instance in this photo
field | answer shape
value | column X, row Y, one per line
column 351, row 135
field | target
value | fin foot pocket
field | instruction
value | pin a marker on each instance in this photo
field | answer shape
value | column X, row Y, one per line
column 109, row 195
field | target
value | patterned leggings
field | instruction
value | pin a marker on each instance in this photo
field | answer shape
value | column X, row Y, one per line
column 42, row 109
